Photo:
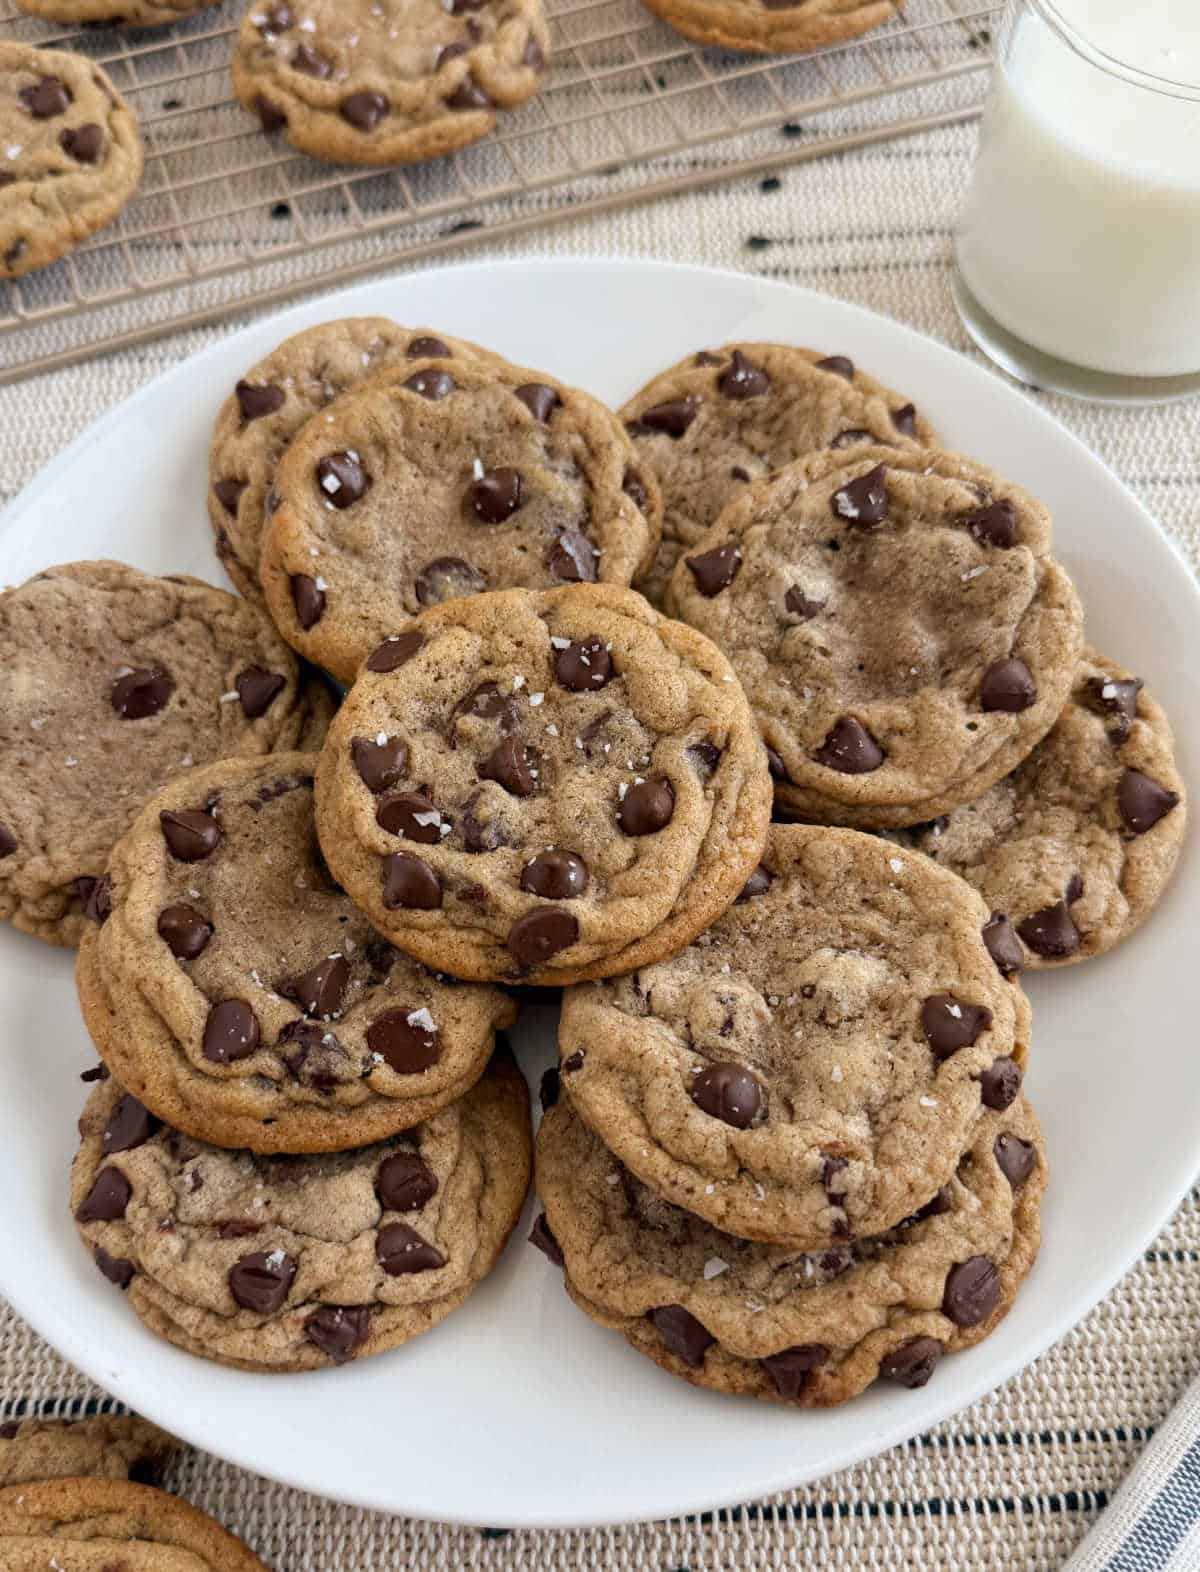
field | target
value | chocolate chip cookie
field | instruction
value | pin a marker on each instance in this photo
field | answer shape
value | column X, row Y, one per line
column 116, row 683
column 812, row 1067
column 725, row 417
column 387, row 81
column 106, row 1525
column 238, row 992
column 1072, row 850
column 773, row 26
column 128, row 13
column 70, row 154
column 806, row 1329
column 294, row 1263
column 433, row 482
column 899, row 624
column 108, row 1446
column 275, row 398
column 542, row 787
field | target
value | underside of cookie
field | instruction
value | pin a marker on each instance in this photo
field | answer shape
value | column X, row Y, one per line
column 295, row 1263
column 543, row 787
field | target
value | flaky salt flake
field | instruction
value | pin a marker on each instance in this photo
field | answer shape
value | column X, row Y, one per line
column 759, row 1193
column 518, row 682
column 613, row 1180
column 896, row 864
column 320, row 583
column 37, row 722
column 421, row 1018
column 552, row 730
column 1108, row 690
column 713, row 1267
column 427, row 820
column 621, row 790
column 535, row 699
column 443, row 829
column 70, row 761
column 331, row 484
column 559, row 643
column 229, row 698
column 837, row 1074
column 973, row 573
column 725, row 968
column 709, row 1189
column 955, row 1010
column 13, row 150
column 928, row 1102
column 755, row 1306
column 477, row 468
column 380, row 738
column 276, row 1258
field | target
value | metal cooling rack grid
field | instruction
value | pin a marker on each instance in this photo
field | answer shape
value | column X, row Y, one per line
column 227, row 218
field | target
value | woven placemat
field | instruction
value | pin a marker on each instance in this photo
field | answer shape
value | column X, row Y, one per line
column 1012, row 1482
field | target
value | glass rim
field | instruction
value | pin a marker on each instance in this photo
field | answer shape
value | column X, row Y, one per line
column 1112, row 64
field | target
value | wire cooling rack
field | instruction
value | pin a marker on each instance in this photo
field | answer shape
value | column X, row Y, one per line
column 228, row 218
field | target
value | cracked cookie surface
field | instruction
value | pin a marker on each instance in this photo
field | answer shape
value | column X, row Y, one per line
column 806, row 1329
column 296, row 1263
column 117, row 682
column 723, row 418
column 387, row 81
column 244, row 998
column 899, row 624
column 811, row 1068
column 72, row 156
column 541, row 787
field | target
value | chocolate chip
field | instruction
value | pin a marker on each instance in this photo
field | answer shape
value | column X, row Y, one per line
column 728, row 1092
column 632, row 486
column 852, row 437
column 341, row 478
column 402, row 1039
column 309, row 600
column 715, row 570
column 405, row 1182
column 839, row 365
column 539, row 399
column 412, row 815
column 647, row 807
column 410, row 884
column 395, row 652
column 184, row 930
column 573, row 1063
column 469, row 95
column 913, row 1363
column 572, row 558
column 950, row 1024
column 555, row 875
column 256, row 399
column 8, row 841
column 117, row 1271
column 380, row 765
column 496, row 495
column 131, row 1124
column 98, row 1072
column 270, row 117
column 1142, row 801
column 338, row 1330
column 8, row 1429
column 447, row 577
column 191, row 836
column 972, row 1291
column 1115, row 697
column 798, row 603
column 542, row 1239
column 1007, row 686
column 905, row 420
column 540, row 934
column 758, row 883
column 585, row 666
column 993, row 525
column 1003, row 945
column 1050, row 932
column 1016, row 1158
column 425, row 346
column 1000, row 1083
column 401, row 1251
column 850, row 748
column 674, row 417
column 364, row 110
column 790, row 1370
column 683, row 1334
column 107, row 1199
column 319, row 991
column 260, row 1282
column 862, row 502
column 231, row 1032
column 95, row 896
column 742, row 379
column 432, row 385
column 775, row 764
column 311, row 63
column 49, row 97
column 139, row 694
column 84, row 144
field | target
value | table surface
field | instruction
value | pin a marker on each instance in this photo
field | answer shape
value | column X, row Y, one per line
column 1013, row 1482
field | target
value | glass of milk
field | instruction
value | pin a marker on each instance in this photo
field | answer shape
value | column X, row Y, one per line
column 1079, row 248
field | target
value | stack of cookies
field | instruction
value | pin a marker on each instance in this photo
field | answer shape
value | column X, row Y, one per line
column 751, row 718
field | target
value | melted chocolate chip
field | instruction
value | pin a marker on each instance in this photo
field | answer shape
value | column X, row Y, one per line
column 426, row 347
column 191, row 836
column 1000, row 1083
column 542, row 1239
column 742, row 379
column 540, row 934
column 404, row 1041
column 1015, row 1158
column 363, row 110
column 728, row 1092
column 555, row 875
column 106, row 1201
column 338, row 1330
column 256, row 399
column 130, row 1125
column 49, row 96
column 993, row 525
column 1003, row 945
column 185, row 931
column 395, row 652
column 410, row 884
column 972, row 1291
column 260, row 1282
column 445, row 578
column 950, row 1024
column 791, row 1369
column 319, row 991
column 585, row 666
column 850, row 748
column 839, row 365
column 913, row 1363
column 862, row 502
column 1117, row 698
column 231, row 1032
column 647, row 807
column 512, row 765
column 117, row 1271
column 432, row 385
column 686, row 1338
column 257, row 689
column 715, row 570
column 309, row 600
column 496, row 495
column 142, row 693
column 341, row 478
column 405, row 1183
column 539, row 399
column 1143, row 802
column 1007, row 686
column 84, row 144
column 674, row 417
column 1051, row 932
column 412, row 815
column 380, row 765
column 572, row 558
column 401, row 1251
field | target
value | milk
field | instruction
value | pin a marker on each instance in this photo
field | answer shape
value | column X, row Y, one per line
column 1081, row 234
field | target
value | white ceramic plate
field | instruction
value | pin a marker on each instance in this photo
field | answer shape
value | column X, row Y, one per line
column 517, row 1410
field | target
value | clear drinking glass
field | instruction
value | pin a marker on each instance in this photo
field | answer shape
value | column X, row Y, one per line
column 1078, row 253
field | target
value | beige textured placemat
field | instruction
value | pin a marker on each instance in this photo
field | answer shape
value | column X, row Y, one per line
column 1012, row 1483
